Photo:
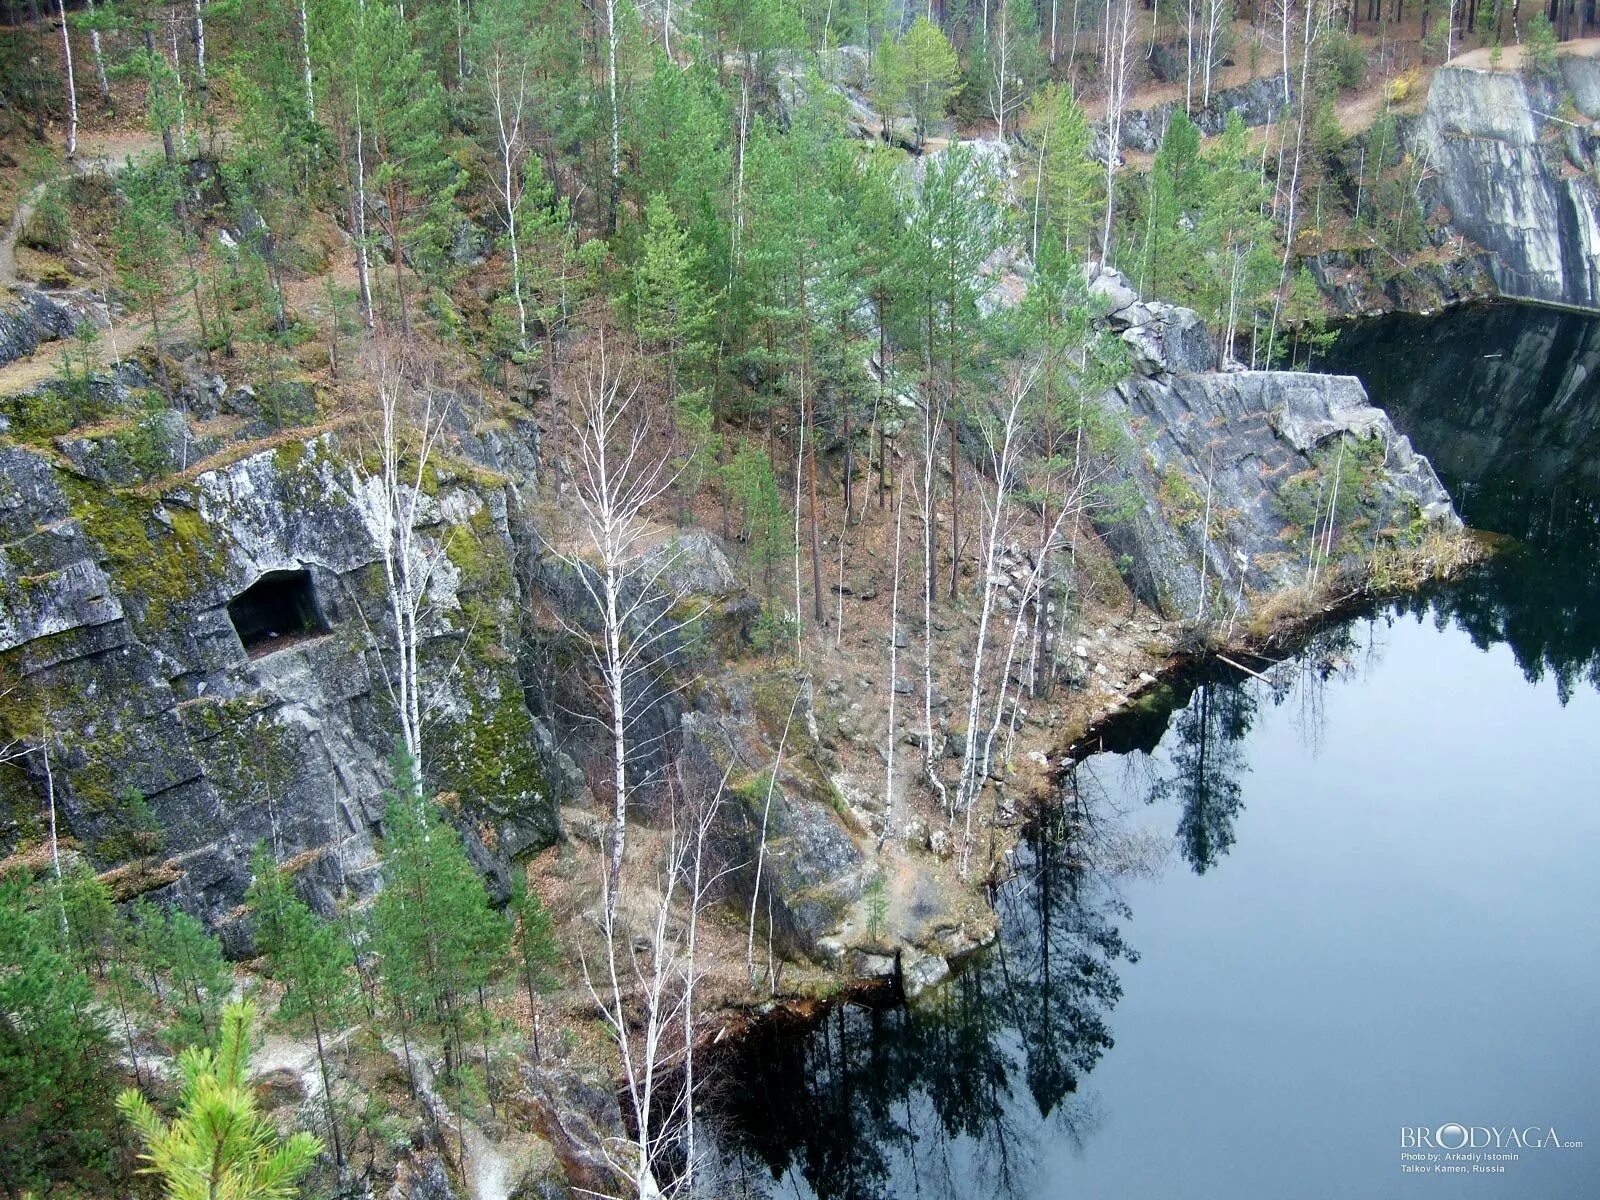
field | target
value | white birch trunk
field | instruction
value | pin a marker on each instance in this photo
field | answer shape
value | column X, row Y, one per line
column 305, row 64
column 72, row 83
column 894, row 643
column 99, row 56
column 199, row 27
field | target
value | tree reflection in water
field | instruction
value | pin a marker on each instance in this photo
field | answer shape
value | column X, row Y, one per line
column 947, row 1098
column 1206, row 764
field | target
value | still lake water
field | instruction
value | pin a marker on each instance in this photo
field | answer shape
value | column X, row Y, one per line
column 1240, row 959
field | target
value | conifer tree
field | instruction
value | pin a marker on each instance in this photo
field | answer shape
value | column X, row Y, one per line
column 311, row 959
column 802, row 255
column 930, row 74
column 145, row 248
column 671, row 311
column 534, row 940
column 90, row 918
column 434, row 933
column 412, row 169
column 1169, row 263
column 1066, row 181
column 219, row 1144
column 56, row 1070
column 199, row 979
column 750, row 480
column 954, row 224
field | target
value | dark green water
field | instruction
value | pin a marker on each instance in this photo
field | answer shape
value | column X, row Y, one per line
column 1252, row 960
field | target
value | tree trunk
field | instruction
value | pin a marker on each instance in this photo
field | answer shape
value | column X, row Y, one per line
column 72, row 83
column 955, row 509
column 327, row 1092
column 99, row 57
column 198, row 32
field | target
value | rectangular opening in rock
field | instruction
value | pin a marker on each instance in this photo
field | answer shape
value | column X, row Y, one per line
column 275, row 611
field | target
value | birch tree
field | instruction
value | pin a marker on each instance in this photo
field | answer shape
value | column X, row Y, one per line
column 618, row 477
column 646, row 1000
column 501, row 50
column 1119, row 66
column 72, row 83
column 1004, row 445
column 411, row 420
column 1012, row 57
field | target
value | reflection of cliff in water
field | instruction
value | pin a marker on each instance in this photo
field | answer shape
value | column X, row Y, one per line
column 871, row 1100
column 1505, row 400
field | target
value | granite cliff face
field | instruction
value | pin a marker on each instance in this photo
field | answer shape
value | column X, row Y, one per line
column 1517, row 177
column 1230, row 471
column 208, row 654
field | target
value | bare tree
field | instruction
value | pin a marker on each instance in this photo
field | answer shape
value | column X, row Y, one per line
column 1005, row 92
column 1119, row 67
column 304, row 29
column 618, row 478
column 1215, row 18
column 412, row 413
column 894, row 644
column 930, row 762
column 613, row 37
column 197, row 31
column 72, row 83
column 1313, row 24
column 646, row 1001
column 504, row 76
column 1004, row 444
column 761, row 845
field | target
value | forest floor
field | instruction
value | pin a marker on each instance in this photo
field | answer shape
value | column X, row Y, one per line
column 1512, row 56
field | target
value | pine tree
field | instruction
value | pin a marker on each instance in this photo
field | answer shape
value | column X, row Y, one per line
column 312, row 960
column 802, row 265
column 90, row 917
column 534, row 940
column 219, row 1144
column 56, row 1069
column 1233, row 229
column 750, row 480
column 412, row 168
column 1066, row 182
column 145, row 248
column 434, row 933
column 930, row 74
column 200, row 977
column 955, row 223
column 1169, row 264
column 671, row 311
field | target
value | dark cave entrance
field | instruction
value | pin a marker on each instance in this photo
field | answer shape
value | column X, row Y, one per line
column 275, row 611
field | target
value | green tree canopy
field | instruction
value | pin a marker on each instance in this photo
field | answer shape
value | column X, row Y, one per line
column 56, row 1070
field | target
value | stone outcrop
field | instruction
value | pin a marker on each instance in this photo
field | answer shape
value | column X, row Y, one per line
column 185, row 732
column 34, row 319
column 1358, row 281
column 1517, row 178
column 1256, row 102
column 1227, row 469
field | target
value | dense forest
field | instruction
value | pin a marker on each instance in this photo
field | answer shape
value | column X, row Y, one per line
column 824, row 278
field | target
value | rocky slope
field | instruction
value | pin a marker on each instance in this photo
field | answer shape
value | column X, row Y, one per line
column 1232, row 470
column 195, row 717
